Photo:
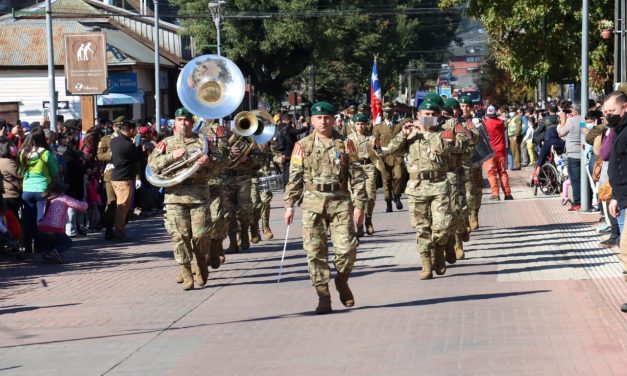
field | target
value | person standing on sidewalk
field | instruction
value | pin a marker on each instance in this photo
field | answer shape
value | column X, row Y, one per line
column 104, row 157
column 496, row 167
column 321, row 168
column 514, row 132
column 125, row 159
column 569, row 129
column 615, row 109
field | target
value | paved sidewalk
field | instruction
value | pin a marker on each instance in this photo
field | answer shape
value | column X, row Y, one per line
column 535, row 296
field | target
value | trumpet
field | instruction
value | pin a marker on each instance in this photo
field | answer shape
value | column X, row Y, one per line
column 250, row 128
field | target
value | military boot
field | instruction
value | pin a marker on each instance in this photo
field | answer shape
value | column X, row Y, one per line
column 254, row 232
column 324, row 300
column 202, row 274
column 399, row 204
column 341, row 285
column 459, row 247
column 389, row 206
column 216, row 253
column 360, row 231
column 369, row 227
column 179, row 278
column 439, row 261
column 465, row 235
column 427, row 272
column 474, row 220
column 233, row 247
column 265, row 222
column 449, row 251
column 188, row 279
column 244, row 242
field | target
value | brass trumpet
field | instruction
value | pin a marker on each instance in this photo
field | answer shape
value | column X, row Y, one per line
column 250, row 128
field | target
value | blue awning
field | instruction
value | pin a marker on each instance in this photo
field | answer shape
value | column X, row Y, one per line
column 121, row 98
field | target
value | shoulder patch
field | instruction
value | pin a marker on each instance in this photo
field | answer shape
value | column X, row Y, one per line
column 350, row 147
column 297, row 155
column 447, row 135
column 160, row 148
column 220, row 131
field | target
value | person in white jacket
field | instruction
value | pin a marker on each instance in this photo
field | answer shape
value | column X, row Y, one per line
column 527, row 142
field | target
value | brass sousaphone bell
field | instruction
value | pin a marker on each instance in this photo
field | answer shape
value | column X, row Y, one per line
column 211, row 87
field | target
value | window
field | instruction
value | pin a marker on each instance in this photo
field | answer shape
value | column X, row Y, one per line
column 473, row 59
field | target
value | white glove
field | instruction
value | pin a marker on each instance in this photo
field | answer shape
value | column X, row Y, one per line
column 138, row 184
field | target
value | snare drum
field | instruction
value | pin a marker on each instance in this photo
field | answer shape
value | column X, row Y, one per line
column 270, row 183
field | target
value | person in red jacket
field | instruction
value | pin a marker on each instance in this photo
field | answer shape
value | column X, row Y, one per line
column 496, row 166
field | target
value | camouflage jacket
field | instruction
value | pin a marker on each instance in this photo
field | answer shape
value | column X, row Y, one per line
column 314, row 165
column 194, row 190
column 424, row 151
column 465, row 135
column 365, row 150
column 385, row 133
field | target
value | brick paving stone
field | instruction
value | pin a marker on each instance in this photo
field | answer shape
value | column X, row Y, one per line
column 536, row 296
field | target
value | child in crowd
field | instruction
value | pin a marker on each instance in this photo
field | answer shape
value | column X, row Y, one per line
column 52, row 237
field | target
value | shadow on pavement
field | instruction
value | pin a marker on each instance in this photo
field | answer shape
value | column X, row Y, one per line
column 16, row 309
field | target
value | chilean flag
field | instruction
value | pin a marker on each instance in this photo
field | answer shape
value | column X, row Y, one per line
column 375, row 95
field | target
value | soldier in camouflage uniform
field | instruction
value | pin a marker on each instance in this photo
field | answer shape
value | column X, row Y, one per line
column 384, row 132
column 261, row 198
column 474, row 173
column 322, row 167
column 459, row 156
column 187, row 213
column 366, row 153
column 104, row 156
column 428, row 190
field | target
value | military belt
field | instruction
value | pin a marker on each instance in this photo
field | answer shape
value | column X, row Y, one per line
column 365, row 161
column 433, row 176
column 326, row 187
column 236, row 173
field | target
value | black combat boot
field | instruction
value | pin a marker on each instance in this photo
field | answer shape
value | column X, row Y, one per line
column 389, row 206
column 233, row 247
column 324, row 300
column 399, row 204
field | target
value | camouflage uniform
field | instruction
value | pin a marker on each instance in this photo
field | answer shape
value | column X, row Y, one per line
column 188, row 215
column 365, row 154
column 474, row 181
column 392, row 179
column 104, row 156
column 459, row 157
column 321, row 174
column 218, row 225
column 428, row 190
column 261, row 199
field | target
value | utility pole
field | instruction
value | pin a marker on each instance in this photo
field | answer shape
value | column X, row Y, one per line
column 617, row 32
column 51, row 89
column 583, row 176
column 157, row 70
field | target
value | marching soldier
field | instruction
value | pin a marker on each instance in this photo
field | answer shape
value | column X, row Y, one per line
column 428, row 187
column 365, row 151
column 186, row 218
column 392, row 178
column 322, row 167
column 261, row 198
column 459, row 156
column 474, row 174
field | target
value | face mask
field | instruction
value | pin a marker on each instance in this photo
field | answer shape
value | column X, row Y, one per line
column 612, row 120
column 589, row 125
column 511, row 114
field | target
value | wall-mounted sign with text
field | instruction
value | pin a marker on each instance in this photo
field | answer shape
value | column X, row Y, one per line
column 122, row 82
column 85, row 63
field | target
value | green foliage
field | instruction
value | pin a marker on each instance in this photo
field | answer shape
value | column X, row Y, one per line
column 531, row 39
column 278, row 51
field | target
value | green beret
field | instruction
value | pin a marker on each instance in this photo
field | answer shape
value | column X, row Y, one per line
column 119, row 119
column 452, row 103
column 387, row 106
column 360, row 118
column 427, row 105
column 465, row 99
column 352, row 107
column 433, row 97
column 184, row 112
column 323, row 108
column 362, row 107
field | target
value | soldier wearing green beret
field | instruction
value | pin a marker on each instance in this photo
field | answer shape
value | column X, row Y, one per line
column 392, row 178
column 367, row 158
column 435, row 98
column 322, row 168
column 188, row 214
column 427, row 154
column 460, row 156
column 474, row 173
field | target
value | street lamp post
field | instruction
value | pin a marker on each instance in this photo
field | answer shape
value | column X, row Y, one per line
column 157, row 70
column 215, row 7
column 583, row 175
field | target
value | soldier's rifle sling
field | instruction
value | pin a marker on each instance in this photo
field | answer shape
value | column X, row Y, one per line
column 287, row 232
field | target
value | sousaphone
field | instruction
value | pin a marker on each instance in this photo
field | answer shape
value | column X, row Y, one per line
column 211, row 87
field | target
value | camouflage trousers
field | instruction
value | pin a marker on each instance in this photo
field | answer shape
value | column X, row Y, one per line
column 238, row 204
column 430, row 214
column 217, row 220
column 474, row 187
column 187, row 225
column 459, row 205
column 315, row 243
column 393, row 184
column 260, row 202
column 371, row 188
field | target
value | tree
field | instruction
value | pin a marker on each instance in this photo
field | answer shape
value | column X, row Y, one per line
column 532, row 39
column 336, row 38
